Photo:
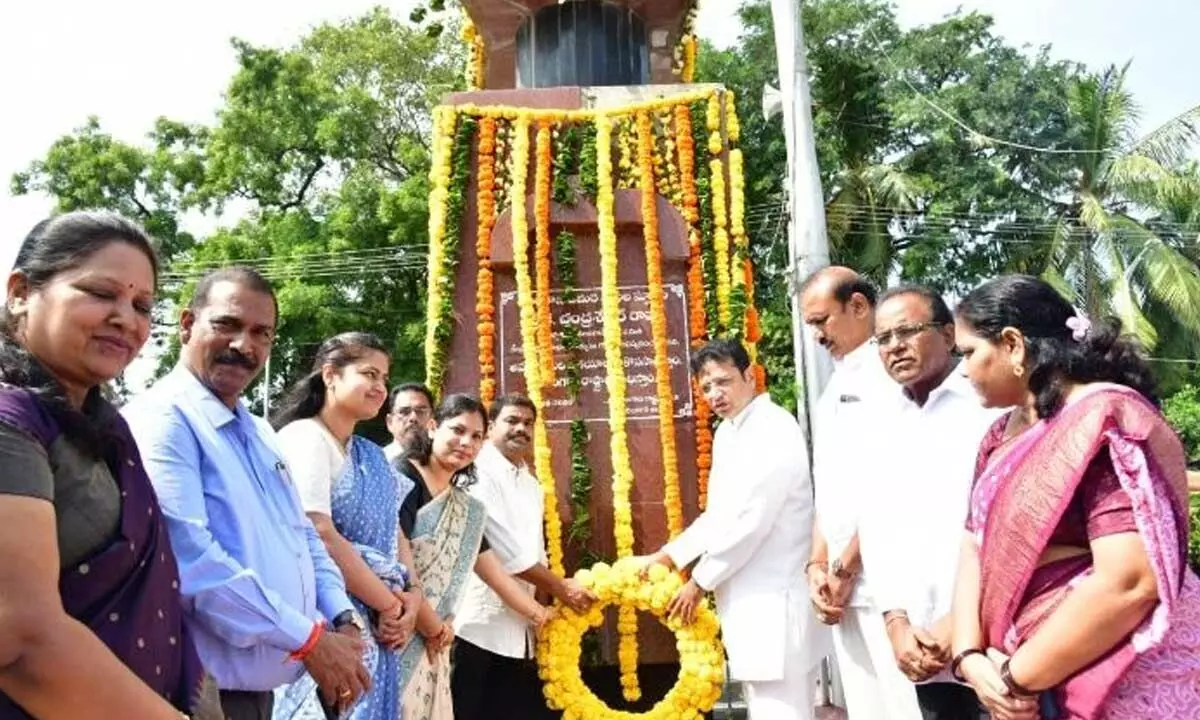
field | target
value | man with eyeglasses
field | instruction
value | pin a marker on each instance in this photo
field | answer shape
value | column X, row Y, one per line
column 838, row 307
column 410, row 406
column 912, row 530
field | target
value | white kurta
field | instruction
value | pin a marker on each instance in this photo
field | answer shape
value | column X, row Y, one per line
column 514, row 503
column 845, row 433
column 912, row 532
column 849, row 430
column 752, row 543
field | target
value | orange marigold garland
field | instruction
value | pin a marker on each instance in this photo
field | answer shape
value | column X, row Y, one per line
column 485, row 306
column 658, row 327
column 541, row 205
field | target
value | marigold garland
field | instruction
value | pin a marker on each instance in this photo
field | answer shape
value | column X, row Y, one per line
column 476, row 54
column 541, row 205
column 720, row 243
column 452, row 142
column 699, row 112
column 485, row 307
column 739, row 241
column 658, row 327
column 701, row 657
column 622, row 486
column 528, row 318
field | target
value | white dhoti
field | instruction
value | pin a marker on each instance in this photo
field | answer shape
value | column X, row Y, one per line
column 873, row 685
column 792, row 696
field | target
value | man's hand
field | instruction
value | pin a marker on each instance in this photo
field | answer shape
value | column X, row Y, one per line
column 818, row 593
column 576, row 596
column 918, row 655
column 335, row 663
column 658, row 558
column 840, row 589
column 685, row 602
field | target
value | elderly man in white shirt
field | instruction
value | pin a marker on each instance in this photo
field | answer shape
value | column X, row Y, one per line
column 494, row 676
column 750, row 544
column 838, row 308
column 910, row 535
column 410, row 405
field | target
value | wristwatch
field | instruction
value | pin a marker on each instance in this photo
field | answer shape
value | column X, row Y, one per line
column 349, row 617
column 839, row 571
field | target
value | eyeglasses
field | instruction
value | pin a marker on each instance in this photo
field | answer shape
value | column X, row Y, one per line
column 902, row 334
column 419, row 412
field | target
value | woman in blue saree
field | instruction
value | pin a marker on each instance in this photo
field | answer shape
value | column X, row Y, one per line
column 353, row 497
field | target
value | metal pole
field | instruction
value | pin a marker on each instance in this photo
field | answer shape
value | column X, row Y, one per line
column 808, row 245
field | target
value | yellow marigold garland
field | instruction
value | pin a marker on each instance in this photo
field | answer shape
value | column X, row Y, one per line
column 701, row 657
column 658, row 327
column 485, row 307
column 525, row 303
column 541, row 205
column 476, row 54
column 622, row 485
column 439, row 174
column 720, row 242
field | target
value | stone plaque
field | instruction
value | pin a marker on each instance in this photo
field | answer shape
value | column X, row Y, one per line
column 584, row 312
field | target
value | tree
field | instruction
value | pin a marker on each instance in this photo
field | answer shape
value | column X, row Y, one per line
column 1098, row 250
column 323, row 147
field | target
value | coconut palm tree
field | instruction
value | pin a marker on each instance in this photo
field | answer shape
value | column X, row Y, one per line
column 1101, row 248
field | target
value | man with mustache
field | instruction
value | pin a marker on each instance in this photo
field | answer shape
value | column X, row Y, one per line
column 410, row 406
column 494, row 675
column 838, row 307
column 913, row 564
column 263, row 598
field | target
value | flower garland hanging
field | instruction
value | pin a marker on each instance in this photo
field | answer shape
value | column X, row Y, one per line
column 740, row 243
column 622, row 486
column 701, row 657
column 541, row 204
column 696, row 293
column 485, row 307
column 716, row 146
column 476, row 54
column 452, row 158
column 528, row 322
column 658, row 327
column 684, row 56
column 699, row 113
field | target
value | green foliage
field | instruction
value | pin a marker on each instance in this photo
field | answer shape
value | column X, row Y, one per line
column 323, row 150
column 1183, row 412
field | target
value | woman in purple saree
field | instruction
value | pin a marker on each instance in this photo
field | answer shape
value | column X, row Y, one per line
column 90, row 618
column 1074, row 599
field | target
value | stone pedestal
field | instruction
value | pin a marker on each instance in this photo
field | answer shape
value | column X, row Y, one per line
column 649, row 515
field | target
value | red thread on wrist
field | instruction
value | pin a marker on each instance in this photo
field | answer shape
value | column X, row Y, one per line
column 310, row 643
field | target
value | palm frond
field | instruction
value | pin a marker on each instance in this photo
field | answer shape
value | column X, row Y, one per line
column 1124, row 301
column 1163, row 273
column 1169, row 143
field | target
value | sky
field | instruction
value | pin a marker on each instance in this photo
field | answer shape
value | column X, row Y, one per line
column 130, row 61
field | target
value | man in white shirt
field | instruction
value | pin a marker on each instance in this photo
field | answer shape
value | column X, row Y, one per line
column 750, row 544
column 410, row 405
column 494, row 676
column 838, row 307
column 913, row 529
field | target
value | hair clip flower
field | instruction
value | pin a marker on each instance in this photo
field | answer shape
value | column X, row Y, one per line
column 1080, row 326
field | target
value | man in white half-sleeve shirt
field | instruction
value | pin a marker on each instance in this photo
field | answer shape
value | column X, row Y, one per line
column 912, row 531
column 838, row 308
column 494, row 676
column 750, row 544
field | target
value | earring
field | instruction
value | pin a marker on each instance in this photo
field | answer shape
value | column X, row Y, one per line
column 1018, row 370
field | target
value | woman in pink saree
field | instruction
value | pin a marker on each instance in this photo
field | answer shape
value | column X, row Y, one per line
column 1074, row 599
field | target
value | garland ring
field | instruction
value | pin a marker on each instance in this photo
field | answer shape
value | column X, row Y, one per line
column 701, row 656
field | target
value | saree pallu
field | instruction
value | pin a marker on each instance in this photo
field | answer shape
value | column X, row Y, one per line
column 445, row 545
column 1016, row 506
column 365, row 502
column 127, row 593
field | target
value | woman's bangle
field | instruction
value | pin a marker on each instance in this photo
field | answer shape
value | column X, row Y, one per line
column 809, row 565
column 1013, row 686
column 957, row 662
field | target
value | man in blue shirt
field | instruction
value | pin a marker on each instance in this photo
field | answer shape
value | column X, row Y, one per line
column 258, row 587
